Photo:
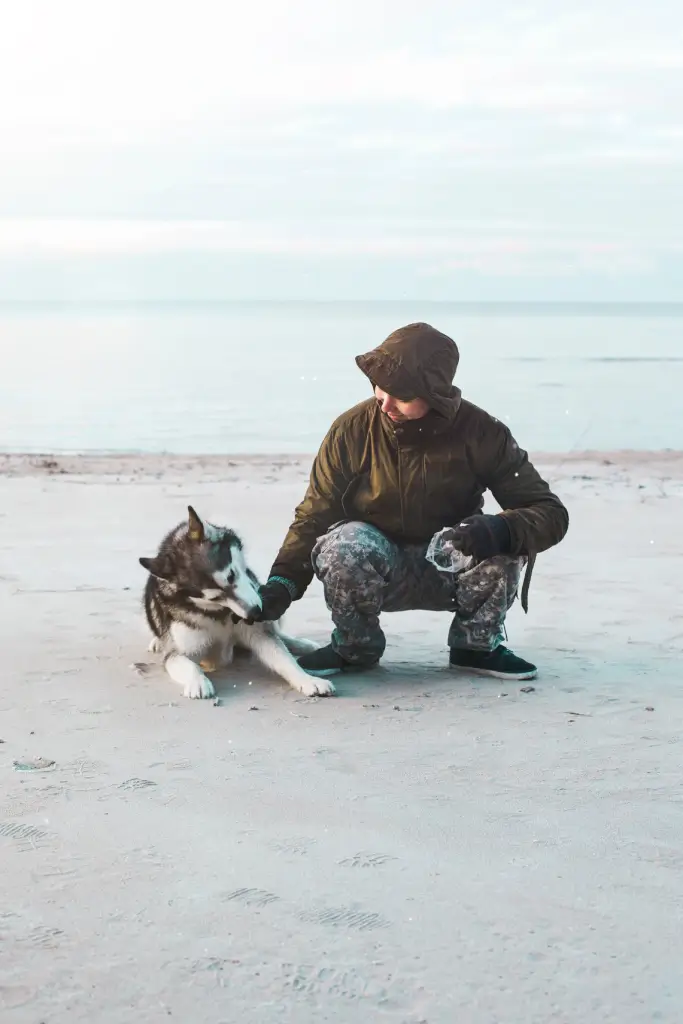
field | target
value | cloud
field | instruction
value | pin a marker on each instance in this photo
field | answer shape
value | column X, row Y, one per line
column 117, row 70
column 499, row 249
column 364, row 128
column 549, row 259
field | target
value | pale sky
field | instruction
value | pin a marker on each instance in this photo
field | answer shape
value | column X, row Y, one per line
column 404, row 149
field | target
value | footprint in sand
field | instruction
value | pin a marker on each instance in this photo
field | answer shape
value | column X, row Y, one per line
column 134, row 784
column 27, row 837
column 45, row 938
column 366, row 860
column 346, row 917
column 299, row 845
column 250, row 897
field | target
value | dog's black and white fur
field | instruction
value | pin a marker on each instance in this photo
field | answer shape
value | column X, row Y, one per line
column 199, row 599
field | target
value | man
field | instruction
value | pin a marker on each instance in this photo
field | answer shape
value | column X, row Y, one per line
column 391, row 473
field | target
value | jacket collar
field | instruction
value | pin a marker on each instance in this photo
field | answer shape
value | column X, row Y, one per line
column 414, row 433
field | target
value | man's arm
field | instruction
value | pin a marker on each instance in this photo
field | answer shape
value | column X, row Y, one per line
column 320, row 509
column 536, row 517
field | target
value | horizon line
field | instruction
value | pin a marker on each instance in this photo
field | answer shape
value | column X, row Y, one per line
column 469, row 303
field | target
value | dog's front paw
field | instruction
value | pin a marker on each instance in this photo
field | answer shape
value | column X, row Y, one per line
column 312, row 687
column 324, row 688
column 200, row 688
column 155, row 645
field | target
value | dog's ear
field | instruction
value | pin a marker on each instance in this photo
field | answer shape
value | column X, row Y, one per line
column 195, row 525
column 155, row 566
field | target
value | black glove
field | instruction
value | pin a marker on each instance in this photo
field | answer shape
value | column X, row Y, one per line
column 275, row 600
column 482, row 536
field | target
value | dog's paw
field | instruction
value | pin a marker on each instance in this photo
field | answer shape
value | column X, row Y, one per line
column 154, row 645
column 324, row 688
column 200, row 688
column 311, row 686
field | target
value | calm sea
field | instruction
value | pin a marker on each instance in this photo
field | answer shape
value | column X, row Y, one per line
column 270, row 377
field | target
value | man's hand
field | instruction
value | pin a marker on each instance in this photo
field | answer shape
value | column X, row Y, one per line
column 275, row 600
column 482, row 536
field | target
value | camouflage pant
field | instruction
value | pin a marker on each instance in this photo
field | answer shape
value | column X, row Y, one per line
column 364, row 573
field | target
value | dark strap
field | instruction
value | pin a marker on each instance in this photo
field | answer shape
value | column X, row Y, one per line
column 527, row 580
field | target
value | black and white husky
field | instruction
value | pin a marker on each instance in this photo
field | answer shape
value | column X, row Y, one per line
column 199, row 598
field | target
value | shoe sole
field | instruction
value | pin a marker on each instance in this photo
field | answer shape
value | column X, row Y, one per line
column 513, row 676
column 321, row 673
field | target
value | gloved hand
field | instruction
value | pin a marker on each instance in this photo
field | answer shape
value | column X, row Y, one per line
column 275, row 600
column 482, row 536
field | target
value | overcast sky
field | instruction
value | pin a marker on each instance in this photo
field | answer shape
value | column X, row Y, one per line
column 341, row 149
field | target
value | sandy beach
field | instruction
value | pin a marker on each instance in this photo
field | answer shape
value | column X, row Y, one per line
column 425, row 848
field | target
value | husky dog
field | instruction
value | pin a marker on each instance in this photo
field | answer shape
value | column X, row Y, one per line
column 199, row 601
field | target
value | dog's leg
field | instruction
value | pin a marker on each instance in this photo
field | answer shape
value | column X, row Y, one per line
column 226, row 653
column 221, row 657
column 179, row 664
column 298, row 645
column 155, row 645
column 188, row 674
column 271, row 651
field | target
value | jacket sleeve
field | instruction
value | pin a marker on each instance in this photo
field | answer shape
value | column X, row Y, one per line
column 536, row 517
column 321, row 507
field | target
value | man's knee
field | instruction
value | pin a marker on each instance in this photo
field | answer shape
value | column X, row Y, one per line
column 499, row 565
column 493, row 582
column 354, row 546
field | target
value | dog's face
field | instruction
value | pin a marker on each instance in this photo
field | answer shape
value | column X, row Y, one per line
column 206, row 564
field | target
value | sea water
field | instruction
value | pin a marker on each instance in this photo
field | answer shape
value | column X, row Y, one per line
column 271, row 377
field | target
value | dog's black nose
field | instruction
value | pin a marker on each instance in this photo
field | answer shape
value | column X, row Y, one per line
column 251, row 615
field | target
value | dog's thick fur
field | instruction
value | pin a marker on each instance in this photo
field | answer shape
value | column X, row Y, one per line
column 199, row 601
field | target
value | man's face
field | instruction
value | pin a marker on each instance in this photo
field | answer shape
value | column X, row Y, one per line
column 400, row 412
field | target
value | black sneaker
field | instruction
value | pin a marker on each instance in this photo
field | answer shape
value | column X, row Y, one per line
column 323, row 662
column 326, row 662
column 499, row 664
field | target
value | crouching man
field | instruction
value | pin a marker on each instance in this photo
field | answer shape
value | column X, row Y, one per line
column 391, row 473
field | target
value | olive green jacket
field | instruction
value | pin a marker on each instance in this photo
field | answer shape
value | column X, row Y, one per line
column 412, row 479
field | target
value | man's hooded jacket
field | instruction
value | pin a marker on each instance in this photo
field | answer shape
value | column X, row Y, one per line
column 412, row 479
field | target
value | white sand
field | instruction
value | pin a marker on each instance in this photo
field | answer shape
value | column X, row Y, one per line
column 424, row 848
